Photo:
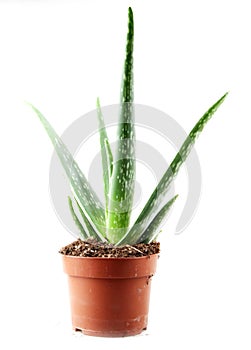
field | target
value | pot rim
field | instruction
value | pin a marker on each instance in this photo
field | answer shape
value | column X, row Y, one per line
column 98, row 267
column 109, row 258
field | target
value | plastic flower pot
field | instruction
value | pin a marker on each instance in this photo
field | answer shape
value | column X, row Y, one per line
column 110, row 296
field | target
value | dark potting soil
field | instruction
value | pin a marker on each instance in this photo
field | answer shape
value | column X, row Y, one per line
column 92, row 248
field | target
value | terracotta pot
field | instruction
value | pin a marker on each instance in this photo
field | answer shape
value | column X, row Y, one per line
column 110, row 296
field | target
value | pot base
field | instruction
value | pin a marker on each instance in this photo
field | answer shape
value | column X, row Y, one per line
column 110, row 334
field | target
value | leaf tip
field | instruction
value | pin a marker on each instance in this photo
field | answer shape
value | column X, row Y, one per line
column 98, row 102
column 29, row 105
column 225, row 95
column 130, row 16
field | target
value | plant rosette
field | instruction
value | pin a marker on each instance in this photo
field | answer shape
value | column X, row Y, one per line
column 110, row 266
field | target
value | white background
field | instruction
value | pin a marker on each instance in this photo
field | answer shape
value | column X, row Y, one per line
column 61, row 55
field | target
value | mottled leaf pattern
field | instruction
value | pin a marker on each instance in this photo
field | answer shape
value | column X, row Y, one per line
column 160, row 191
column 123, row 177
column 91, row 232
column 82, row 189
column 152, row 229
column 106, row 154
column 82, row 234
column 119, row 172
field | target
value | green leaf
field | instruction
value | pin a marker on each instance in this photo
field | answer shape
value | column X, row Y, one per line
column 83, row 235
column 123, row 176
column 150, row 233
column 80, row 186
column 91, row 232
column 106, row 154
column 163, row 186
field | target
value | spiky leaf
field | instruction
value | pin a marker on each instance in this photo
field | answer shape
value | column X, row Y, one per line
column 123, row 177
column 163, row 186
column 153, row 227
column 83, row 235
column 106, row 154
column 91, row 232
column 81, row 187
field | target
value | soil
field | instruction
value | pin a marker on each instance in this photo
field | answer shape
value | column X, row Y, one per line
column 92, row 248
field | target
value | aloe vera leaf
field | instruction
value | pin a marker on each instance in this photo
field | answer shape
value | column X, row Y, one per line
column 106, row 153
column 123, row 176
column 82, row 232
column 159, row 192
column 153, row 227
column 82, row 189
column 91, row 232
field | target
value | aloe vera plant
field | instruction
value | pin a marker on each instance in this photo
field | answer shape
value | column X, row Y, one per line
column 112, row 223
